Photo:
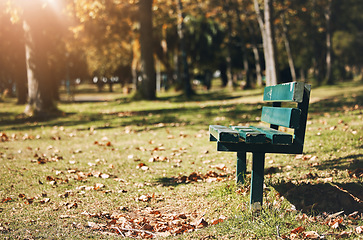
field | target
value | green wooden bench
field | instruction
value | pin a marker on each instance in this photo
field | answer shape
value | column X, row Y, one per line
column 261, row 140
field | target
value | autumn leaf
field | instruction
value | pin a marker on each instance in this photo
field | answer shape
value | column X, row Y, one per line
column 359, row 229
column 21, row 195
column 98, row 186
column 142, row 166
column 335, row 223
column 3, row 137
column 29, row 200
column 104, row 175
column 200, row 223
column 5, row 200
column 221, row 167
column 50, row 178
column 44, row 200
column 344, row 234
column 311, row 235
column 357, row 173
column 298, row 230
column 93, row 225
column 42, row 160
column 71, row 205
column 144, row 198
column 218, row 220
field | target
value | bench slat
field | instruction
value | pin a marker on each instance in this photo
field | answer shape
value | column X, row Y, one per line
column 276, row 137
column 223, row 134
column 250, row 135
column 287, row 117
column 287, row 92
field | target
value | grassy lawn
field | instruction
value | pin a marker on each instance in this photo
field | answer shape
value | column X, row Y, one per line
column 108, row 165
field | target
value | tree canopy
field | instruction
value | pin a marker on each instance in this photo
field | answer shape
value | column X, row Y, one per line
column 316, row 40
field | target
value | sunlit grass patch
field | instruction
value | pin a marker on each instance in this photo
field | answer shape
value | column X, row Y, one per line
column 66, row 177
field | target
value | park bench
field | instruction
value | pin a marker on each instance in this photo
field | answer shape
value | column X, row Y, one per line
column 260, row 140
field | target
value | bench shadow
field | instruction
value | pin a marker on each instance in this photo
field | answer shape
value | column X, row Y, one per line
column 323, row 197
column 349, row 162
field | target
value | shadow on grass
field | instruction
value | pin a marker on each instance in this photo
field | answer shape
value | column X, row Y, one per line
column 349, row 162
column 22, row 122
column 168, row 182
column 323, row 197
column 209, row 96
column 339, row 104
column 195, row 115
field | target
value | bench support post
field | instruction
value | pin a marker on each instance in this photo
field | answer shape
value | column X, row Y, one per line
column 258, row 165
column 241, row 167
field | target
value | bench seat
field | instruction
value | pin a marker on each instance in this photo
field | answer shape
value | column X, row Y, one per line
column 250, row 134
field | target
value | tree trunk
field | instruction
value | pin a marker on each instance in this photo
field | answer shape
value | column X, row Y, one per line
column 229, row 73
column 148, row 84
column 245, row 53
column 288, row 48
column 256, row 56
column 40, row 100
column 223, row 70
column 328, row 14
column 271, row 45
column 268, row 40
column 135, row 63
column 20, row 73
column 264, row 40
column 185, row 76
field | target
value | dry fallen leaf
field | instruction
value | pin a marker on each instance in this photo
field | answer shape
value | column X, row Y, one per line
column 93, row 225
column 199, row 223
column 359, row 229
column 311, row 235
column 344, row 234
column 298, row 230
column 5, row 200
column 98, row 186
column 335, row 223
column 104, row 175
column 71, row 205
column 218, row 220
column 45, row 200
column 21, row 195
column 221, row 167
column 144, row 198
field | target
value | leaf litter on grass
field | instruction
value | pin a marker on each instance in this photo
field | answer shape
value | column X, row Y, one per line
column 149, row 222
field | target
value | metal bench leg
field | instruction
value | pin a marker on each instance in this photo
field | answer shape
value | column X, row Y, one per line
column 241, row 167
column 258, row 165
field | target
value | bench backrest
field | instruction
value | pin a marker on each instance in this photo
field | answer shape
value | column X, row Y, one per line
column 294, row 118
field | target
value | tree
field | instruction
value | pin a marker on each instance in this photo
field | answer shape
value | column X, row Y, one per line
column 328, row 59
column 148, row 82
column 181, row 32
column 286, row 40
column 41, row 30
column 12, row 59
column 36, row 30
column 268, row 38
column 103, row 32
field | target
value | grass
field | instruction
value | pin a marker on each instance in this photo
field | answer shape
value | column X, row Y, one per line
column 110, row 162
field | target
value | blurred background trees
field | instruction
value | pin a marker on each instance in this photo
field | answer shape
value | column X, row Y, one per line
column 151, row 45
